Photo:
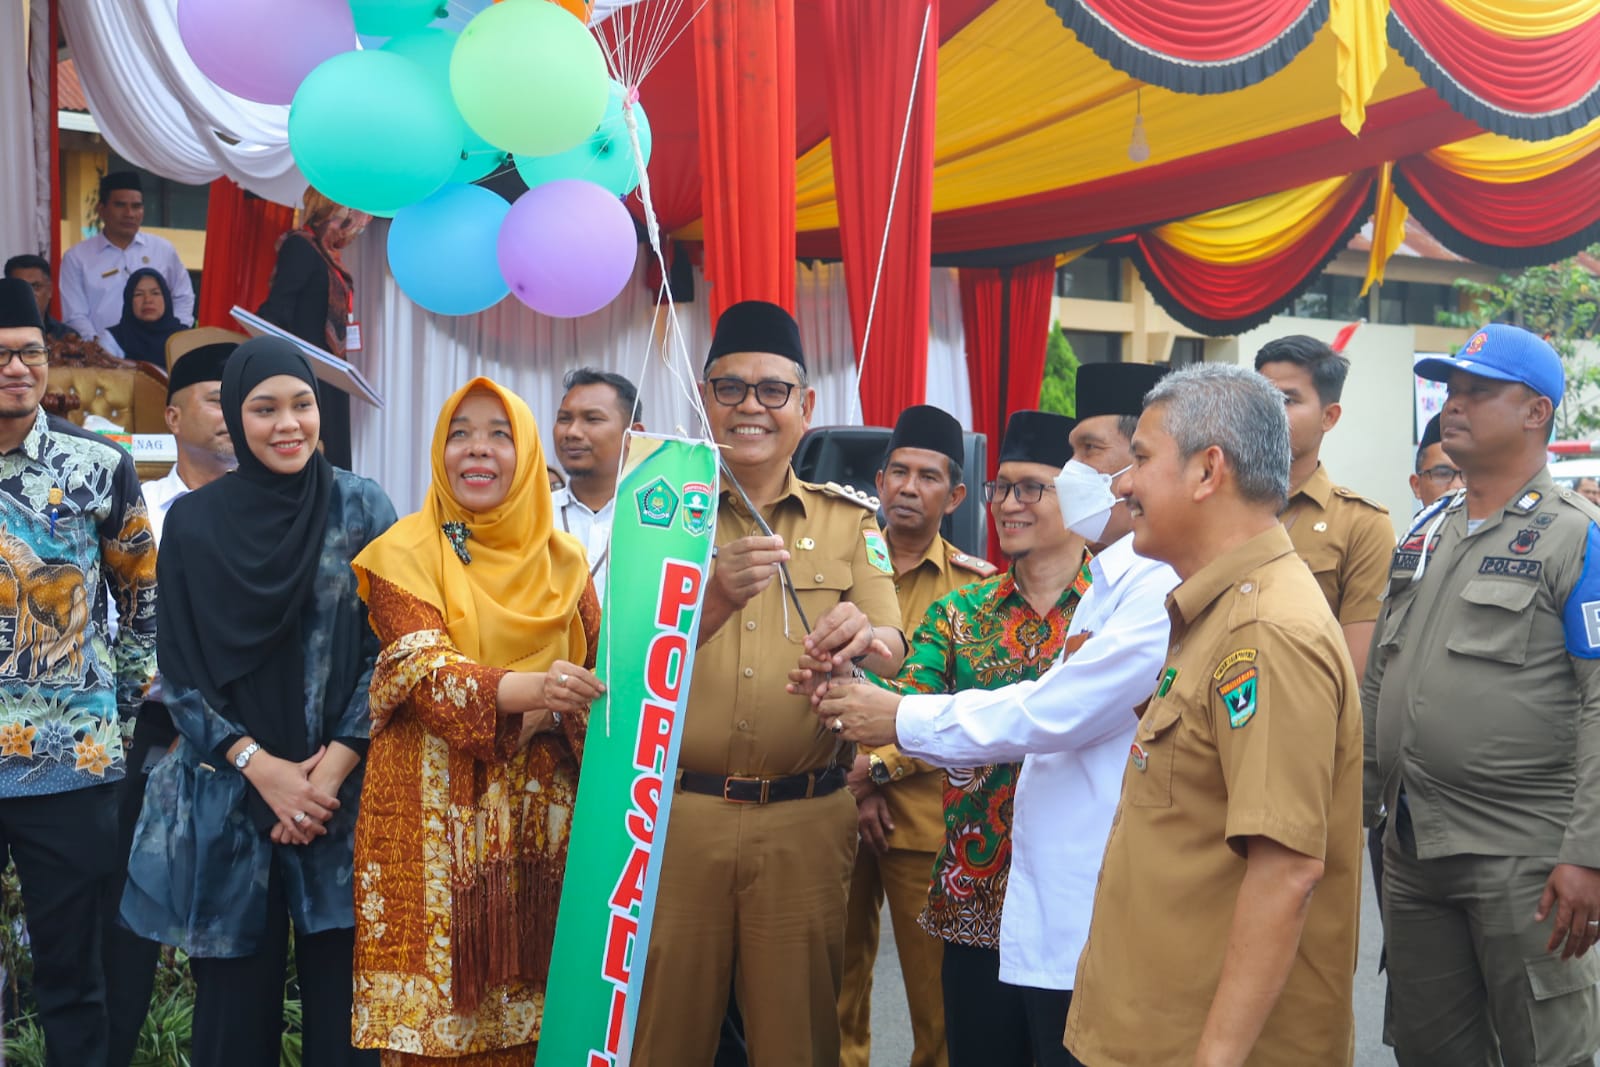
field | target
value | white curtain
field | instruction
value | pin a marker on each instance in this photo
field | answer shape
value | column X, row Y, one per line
column 20, row 217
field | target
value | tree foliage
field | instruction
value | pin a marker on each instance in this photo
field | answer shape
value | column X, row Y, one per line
column 1559, row 302
column 1059, row 391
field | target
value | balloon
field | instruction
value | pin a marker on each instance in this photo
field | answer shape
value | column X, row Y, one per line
column 263, row 49
column 432, row 47
column 529, row 78
column 606, row 158
column 442, row 250
column 581, row 9
column 371, row 132
column 385, row 18
column 567, row 248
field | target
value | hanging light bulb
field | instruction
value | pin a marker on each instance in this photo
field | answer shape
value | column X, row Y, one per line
column 1138, row 144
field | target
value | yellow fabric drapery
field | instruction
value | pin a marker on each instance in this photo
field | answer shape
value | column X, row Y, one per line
column 1492, row 158
column 1388, row 228
column 1359, row 27
column 1525, row 18
column 1260, row 228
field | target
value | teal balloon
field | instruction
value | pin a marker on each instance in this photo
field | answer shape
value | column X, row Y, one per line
column 371, row 131
column 605, row 158
column 444, row 250
column 385, row 18
column 529, row 78
column 432, row 47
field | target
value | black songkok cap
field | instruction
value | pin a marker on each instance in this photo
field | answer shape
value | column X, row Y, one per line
column 17, row 305
column 1116, row 388
column 1037, row 437
column 756, row 326
column 934, row 429
column 122, row 179
column 195, row 356
column 1430, row 434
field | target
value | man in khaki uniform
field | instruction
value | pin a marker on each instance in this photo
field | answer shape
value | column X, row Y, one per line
column 1344, row 538
column 1482, row 703
column 1224, row 928
column 762, row 836
column 899, row 800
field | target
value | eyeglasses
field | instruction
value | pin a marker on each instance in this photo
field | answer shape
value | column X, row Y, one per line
column 1440, row 475
column 770, row 394
column 1025, row 492
column 31, row 356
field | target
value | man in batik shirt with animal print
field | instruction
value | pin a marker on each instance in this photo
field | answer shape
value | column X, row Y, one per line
column 72, row 526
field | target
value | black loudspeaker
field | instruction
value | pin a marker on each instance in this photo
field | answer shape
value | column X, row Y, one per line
column 853, row 455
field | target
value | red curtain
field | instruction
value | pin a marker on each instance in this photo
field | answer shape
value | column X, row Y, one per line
column 1005, row 316
column 873, row 62
column 744, row 63
column 242, row 233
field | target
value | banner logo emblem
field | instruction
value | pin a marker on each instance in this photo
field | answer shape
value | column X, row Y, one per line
column 696, row 508
column 657, row 504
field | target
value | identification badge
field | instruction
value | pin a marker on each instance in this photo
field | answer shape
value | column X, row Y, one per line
column 878, row 551
column 1168, row 676
column 352, row 335
column 1141, row 758
column 1239, row 696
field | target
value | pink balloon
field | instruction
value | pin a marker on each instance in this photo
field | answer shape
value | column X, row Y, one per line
column 567, row 248
column 263, row 49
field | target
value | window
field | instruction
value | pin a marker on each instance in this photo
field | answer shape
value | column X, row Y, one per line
column 1414, row 303
column 1090, row 277
column 1331, row 296
column 167, row 204
column 1187, row 350
column 1095, row 347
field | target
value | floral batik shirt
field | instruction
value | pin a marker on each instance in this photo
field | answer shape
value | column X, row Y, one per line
column 982, row 636
column 73, row 528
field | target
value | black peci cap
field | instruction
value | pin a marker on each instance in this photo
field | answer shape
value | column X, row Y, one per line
column 1115, row 388
column 1037, row 437
column 18, row 306
column 756, row 326
column 931, row 428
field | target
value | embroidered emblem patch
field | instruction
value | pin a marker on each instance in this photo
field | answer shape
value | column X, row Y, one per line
column 1240, row 697
column 1525, row 541
column 1475, row 343
column 1141, row 758
column 878, row 551
column 1233, row 659
column 657, row 504
column 1542, row 521
column 1527, row 501
column 1511, row 568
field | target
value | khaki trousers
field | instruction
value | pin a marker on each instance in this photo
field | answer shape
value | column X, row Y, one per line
column 903, row 876
column 755, row 893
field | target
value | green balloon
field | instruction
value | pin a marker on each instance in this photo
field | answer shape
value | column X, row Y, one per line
column 432, row 46
column 385, row 18
column 529, row 78
column 370, row 131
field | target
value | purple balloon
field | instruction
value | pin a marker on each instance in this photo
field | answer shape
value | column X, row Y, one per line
column 567, row 248
column 263, row 49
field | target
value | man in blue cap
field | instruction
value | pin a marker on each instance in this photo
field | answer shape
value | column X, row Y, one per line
column 1482, row 708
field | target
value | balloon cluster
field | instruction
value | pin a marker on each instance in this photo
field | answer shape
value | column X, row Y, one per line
column 403, row 130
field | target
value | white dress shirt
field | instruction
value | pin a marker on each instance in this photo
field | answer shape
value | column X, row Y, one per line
column 94, row 272
column 593, row 528
column 1071, row 727
column 158, row 498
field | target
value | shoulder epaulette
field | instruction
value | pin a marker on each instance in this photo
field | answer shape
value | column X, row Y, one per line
column 977, row 565
column 845, row 492
column 1590, row 510
column 1351, row 494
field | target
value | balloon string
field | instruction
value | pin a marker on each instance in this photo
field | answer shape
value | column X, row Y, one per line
column 888, row 222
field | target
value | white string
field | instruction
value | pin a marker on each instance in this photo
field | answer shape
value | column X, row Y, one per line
column 888, row 222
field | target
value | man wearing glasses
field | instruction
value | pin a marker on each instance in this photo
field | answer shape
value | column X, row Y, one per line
column 72, row 526
column 1437, row 474
column 762, row 836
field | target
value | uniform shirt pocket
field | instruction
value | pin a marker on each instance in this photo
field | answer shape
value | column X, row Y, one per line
column 1493, row 620
column 820, row 583
column 1151, row 756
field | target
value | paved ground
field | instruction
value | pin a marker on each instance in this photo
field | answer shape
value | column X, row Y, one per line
column 891, row 1046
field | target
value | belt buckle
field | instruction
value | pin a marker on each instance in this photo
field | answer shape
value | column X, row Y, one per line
column 732, row 778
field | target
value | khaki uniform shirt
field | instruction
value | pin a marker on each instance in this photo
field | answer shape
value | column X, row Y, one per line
column 740, row 720
column 1254, row 730
column 916, row 794
column 1482, row 694
column 1346, row 540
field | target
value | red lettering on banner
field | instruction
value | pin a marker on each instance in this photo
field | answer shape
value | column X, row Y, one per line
column 619, row 943
column 663, row 669
column 619, row 1005
column 646, row 801
column 680, row 588
column 630, row 887
column 655, row 733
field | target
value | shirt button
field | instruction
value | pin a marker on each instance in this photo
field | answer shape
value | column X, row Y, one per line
column 749, row 672
column 751, row 625
column 1246, row 587
column 744, row 724
column 819, row 579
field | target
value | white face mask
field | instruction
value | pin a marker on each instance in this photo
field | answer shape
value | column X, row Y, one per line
column 1085, row 498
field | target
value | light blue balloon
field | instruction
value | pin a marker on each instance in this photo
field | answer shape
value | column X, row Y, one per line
column 371, row 131
column 431, row 47
column 606, row 158
column 444, row 250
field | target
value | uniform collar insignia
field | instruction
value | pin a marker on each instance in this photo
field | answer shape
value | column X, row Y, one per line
column 1527, row 502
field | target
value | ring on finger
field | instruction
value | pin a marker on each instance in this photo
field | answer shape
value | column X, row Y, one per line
column 837, row 726
column 561, row 679
column 299, row 817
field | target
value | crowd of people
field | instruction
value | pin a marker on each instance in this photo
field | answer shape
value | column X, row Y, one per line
column 1112, row 794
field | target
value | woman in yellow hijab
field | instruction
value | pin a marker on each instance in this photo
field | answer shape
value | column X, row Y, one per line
column 479, row 705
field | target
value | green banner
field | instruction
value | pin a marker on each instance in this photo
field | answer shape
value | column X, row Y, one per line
column 661, row 541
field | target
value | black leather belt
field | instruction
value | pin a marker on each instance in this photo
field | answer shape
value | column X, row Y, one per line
column 742, row 789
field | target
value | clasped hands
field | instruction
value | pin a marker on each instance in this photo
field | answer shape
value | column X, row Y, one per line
column 303, row 795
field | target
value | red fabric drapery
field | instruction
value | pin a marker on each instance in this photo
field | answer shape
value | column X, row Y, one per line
column 1195, row 46
column 241, row 246
column 1005, row 317
column 744, row 64
column 873, row 56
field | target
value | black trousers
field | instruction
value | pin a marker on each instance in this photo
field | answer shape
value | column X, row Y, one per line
column 64, row 846
column 238, row 1004
column 990, row 1023
column 130, row 960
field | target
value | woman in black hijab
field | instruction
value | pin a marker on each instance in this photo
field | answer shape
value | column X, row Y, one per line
column 147, row 318
column 265, row 657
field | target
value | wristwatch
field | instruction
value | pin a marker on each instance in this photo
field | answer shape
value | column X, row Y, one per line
column 242, row 760
column 878, row 771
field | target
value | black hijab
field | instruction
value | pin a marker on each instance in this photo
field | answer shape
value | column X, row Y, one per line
column 238, row 572
column 142, row 340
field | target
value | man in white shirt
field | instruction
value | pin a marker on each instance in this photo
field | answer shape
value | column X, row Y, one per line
column 596, row 414
column 1071, row 727
column 95, row 271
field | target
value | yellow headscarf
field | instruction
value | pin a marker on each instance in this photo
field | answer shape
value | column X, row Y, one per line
column 516, row 604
